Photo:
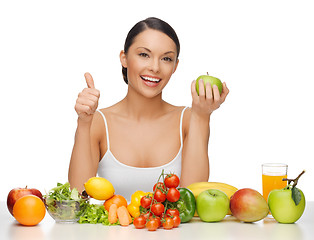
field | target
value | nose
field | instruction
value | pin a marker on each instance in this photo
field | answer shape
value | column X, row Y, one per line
column 154, row 65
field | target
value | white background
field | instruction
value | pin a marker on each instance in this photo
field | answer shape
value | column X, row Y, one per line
column 264, row 50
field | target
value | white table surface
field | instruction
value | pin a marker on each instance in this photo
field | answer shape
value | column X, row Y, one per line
column 228, row 228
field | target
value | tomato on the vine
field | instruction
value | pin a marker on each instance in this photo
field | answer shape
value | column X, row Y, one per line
column 146, row 201
column 172, row 181
column 176, row 221
column 168, row 223
column 155, row 210
column 159, row 196
column 157, row 219
column 147, row 215
column 173, row 195
column 158, row 209
column 152, row 224
column 139, row 222
column 159, row 185
column 172, row 212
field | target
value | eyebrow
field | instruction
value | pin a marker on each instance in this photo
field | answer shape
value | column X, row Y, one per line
column 151, row 51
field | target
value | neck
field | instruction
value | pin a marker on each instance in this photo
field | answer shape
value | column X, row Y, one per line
column 140, row 107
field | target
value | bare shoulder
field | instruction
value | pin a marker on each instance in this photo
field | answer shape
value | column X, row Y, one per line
column 110, row 112
column 186, row 120
column 177, row 110
column 99, row 115
column 172, row 108
column 98, row 128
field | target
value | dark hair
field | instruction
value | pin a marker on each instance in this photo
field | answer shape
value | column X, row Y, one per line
column 149, row 23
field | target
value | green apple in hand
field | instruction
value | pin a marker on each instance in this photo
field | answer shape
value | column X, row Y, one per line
column 287, row 205
column 212, row 205
column 211, row 80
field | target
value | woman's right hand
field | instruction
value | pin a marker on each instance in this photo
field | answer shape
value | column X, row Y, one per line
column 87, row 101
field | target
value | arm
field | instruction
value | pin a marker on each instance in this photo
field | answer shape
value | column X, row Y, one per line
column 85, row 153
column 195, row 161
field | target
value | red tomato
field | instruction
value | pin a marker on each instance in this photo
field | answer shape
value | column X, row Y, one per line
column 157, row 219
column 159, row 185
column 160, row 196
column 168, row 223
column 173, row 195
column 172, row 181
column 146, row 215
column 158, row 209
column 172, row 212
column 146, row 201
column 176, row 221
column 139, row 222
column 152, row 225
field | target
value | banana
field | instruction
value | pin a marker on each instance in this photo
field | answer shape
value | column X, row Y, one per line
column 199, row 187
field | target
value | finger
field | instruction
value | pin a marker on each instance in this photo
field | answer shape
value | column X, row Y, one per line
column 94, row 92
column 225, row 92
column 201, row 89
column 193, row 90
column 89, row 80
column 90, row 93
column 87, row 102
column 87, row 109
column 216, row 93
column 83, row 109
column 209, row 91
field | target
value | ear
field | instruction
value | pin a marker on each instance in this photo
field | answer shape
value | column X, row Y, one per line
column 123, row 59
column 175, row 67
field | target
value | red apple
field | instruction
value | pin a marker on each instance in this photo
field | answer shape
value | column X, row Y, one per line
column 17, row 193
column 248, row 205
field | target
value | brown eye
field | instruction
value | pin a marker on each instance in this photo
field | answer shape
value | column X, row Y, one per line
column 167, row 59
column 143, row 55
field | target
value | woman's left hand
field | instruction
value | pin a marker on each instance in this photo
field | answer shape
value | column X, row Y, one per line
column 208, row 100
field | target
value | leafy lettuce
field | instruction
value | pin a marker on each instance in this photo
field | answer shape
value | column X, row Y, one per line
column 96, row 213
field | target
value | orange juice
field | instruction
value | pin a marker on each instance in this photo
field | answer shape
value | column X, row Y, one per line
column 271, row 182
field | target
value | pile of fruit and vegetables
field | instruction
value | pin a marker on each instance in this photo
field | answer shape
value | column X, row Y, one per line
column 167, row 206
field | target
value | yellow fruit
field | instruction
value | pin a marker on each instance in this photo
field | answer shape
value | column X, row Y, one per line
column 99, row 188
column 136, row 197
column 199, row 187
column 134, row 210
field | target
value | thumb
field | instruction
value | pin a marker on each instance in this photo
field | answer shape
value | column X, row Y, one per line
column 89, row 80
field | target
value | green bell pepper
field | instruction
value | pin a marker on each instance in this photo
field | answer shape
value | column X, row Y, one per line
column 186, row 205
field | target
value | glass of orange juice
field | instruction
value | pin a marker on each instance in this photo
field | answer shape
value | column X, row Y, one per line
column 272, row 175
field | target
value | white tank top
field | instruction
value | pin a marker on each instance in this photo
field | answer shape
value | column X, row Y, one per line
column 127, row 179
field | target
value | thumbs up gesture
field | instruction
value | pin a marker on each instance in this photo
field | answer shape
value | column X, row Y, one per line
column 87, row 101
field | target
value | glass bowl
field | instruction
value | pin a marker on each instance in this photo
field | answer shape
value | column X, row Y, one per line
column 66, row 211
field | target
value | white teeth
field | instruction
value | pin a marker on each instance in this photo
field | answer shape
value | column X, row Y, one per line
column 151, row 79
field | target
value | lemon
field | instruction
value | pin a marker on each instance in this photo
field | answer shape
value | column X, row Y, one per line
column 99, row 188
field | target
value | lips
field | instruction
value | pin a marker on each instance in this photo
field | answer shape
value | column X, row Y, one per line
column 150, row 81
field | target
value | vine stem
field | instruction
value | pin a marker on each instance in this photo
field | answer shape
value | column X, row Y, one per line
column 153, row 196
column 295, row 181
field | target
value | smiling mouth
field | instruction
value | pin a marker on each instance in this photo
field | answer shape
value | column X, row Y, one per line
column 151, row 79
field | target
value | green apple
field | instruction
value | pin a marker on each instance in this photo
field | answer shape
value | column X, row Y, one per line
column 211, row 80
column 283, row 207
column 212, row 205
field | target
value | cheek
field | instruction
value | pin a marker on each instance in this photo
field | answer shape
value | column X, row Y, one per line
column 134, row 66
column 168, row 69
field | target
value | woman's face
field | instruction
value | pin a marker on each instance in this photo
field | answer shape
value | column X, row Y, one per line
column 150, row 62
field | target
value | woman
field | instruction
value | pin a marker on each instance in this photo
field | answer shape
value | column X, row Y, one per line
column 130, row 142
